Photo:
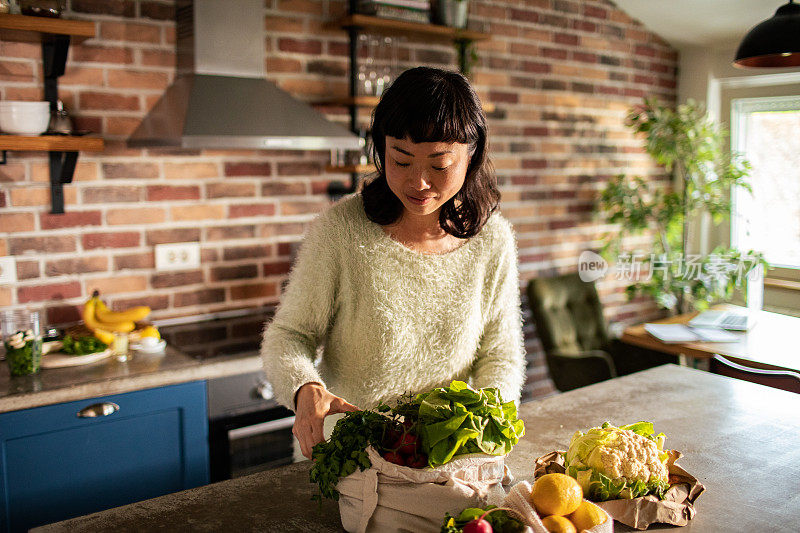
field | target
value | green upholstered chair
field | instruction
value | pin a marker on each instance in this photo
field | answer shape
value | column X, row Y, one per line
column 578, row 349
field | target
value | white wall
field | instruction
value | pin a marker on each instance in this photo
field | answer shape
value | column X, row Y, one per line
column 703, row 72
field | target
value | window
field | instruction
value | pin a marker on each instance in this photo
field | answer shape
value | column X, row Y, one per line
column 765, row 131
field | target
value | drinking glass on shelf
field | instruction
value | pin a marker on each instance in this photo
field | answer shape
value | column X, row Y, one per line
column 22, row 339
column 396, row 67
column 385, row 79
column 361, row 53
column 367, row 76
column 371, row 85
column 338, row 157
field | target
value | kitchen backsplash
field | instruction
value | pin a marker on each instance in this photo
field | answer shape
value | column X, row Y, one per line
column 561, row 74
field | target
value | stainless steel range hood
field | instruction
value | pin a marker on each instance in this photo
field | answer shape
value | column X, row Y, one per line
column 221, row 98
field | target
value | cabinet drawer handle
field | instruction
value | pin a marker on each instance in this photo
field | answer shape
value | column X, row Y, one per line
column 98, row 409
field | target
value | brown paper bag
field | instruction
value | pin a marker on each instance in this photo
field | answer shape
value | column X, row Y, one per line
column 393, row 498
column 677, row 507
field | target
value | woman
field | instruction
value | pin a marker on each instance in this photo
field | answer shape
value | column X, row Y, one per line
column 413, row 282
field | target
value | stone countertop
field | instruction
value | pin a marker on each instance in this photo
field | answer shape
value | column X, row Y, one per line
column 141, row 371
column 739, row 440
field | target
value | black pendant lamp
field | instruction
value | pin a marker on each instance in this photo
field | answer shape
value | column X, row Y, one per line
column 773, row 43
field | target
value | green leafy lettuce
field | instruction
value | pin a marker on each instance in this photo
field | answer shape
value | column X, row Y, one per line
column 500, row 521
column 458, row 420
column 582, row 463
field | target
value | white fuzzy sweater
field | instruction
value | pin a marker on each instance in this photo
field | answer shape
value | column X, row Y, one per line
column 392, row 320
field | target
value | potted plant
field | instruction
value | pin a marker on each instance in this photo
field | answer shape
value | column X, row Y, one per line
column 452, row 13
column 691, row 147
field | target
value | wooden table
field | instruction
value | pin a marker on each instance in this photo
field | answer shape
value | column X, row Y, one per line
column 772, row 343
column 739, row 439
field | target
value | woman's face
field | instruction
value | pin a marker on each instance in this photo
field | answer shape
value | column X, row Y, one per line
column 425, row 175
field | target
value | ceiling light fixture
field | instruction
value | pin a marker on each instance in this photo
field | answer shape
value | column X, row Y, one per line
column 773, row 43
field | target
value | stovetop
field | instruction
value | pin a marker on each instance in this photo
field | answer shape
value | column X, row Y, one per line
column 219, row 334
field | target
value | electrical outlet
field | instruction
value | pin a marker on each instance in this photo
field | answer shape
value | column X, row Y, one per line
column 178, row 256
column 8, row 270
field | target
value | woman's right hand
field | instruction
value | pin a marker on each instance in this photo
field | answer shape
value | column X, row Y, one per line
column 312, row 404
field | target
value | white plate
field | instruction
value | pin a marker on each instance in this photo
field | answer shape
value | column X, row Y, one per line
column 155, row 349
column 61, row 359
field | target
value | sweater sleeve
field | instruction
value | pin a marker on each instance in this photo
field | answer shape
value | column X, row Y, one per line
column 500, row 359
column 290, row 341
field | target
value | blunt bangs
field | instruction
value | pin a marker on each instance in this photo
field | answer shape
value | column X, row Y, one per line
column 437, row 117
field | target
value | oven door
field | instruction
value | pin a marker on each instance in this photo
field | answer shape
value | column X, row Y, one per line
column 248, row 431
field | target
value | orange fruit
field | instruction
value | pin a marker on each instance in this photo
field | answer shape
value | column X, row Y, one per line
column 556, row 494
column 558, row 524
column 587, row 515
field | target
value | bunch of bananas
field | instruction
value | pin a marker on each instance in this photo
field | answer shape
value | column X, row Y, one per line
column 102, row 321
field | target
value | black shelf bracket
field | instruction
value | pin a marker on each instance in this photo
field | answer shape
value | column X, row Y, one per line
column 54, row 58
column 62, row 164
column 62, row 168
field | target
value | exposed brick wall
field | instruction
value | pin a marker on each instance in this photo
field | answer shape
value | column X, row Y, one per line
column 561, row 73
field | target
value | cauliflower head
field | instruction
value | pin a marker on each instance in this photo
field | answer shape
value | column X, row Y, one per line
column 612, row 462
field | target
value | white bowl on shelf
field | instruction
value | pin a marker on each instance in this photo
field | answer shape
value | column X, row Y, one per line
column 24, row 118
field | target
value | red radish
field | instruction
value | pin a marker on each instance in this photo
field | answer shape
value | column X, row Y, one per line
column 417, row 461
column 479, row 525
column 394, row 457
column 406, row 444
column 391, row 436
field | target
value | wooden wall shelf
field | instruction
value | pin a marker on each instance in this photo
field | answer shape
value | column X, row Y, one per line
column 51, row 143
column 385, row 25
column 36, row 29
column 372, row 101
column 351, row 169
column 358, row 101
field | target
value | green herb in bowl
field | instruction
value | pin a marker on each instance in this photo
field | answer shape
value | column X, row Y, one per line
column 23, row 353
column 82, row 345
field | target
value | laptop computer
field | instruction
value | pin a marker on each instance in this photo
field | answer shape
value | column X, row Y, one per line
column 733, row 320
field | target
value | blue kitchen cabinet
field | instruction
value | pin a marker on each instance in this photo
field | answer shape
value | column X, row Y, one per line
column 55, row 464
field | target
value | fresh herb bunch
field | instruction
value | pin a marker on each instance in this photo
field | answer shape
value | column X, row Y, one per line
column 345, row 451
column 82, row 345
column 500, row 521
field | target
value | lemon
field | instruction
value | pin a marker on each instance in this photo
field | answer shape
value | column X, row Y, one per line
column 150, row 331
column 558, row 524
column 557, row 494
column 587, row 515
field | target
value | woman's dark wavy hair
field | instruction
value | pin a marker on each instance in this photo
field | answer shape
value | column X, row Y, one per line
column 433, row 105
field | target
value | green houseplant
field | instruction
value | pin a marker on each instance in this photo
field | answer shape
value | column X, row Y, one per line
column 691, row 148
column 452, row 13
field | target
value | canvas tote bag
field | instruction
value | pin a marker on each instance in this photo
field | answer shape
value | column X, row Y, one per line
column 393, row 498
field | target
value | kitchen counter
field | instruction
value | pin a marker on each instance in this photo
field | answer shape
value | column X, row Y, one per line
column 142, row 371
column 739, row 440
